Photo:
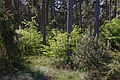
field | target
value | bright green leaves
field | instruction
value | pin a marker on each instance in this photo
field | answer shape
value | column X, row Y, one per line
column 111, row 28
column 111, row 31
column 58, row 46
column 30, row 38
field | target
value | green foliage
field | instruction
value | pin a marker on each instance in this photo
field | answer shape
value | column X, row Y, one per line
column 57, row 44
column 111, row 31
column 57, row 41
column 9, row 52
column 30, row 39
column 114, row 72
column 92, row 56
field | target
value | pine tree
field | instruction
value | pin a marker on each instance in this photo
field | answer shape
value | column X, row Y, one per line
column 69, row 18
column 97, row 13
column 43, row 22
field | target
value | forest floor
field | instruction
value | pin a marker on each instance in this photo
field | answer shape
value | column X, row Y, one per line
column 39, row 68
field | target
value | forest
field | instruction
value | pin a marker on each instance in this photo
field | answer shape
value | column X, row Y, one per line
column 59, row 39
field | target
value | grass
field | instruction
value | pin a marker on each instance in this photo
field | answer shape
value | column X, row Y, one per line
column 43, row 64
column 39, row 68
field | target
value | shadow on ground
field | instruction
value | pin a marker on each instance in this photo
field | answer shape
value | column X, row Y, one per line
column 26, row 73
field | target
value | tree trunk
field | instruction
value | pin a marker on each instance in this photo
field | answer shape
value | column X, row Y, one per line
column 80, row 14
column 43, row 22
column 107, row 10
column 119, row 7
column 69, row 18
column 97, row 13
column 8, row 4
column 110, row 9
column 115, row 10
column 46, row 14
column 69, row 30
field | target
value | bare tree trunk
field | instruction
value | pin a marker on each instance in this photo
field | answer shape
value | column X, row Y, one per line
column 43, row 22
column 80, row 14
column 119, row 7
column 69, row 17
column 110, row 9
column 97, row 9
column 69, row 29
column 8, row 4
column 106, row 5
column 47, row 3
column 115, row 10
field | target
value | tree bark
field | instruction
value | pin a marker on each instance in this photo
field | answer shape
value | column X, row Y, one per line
column 110, row 9
column 80, row 14
column 115, row 10
column 69, row 17
column 69, row 30
column 97, row 13
column 107, row 10
column 43, row 22
column 46, row 14
column 8, row 4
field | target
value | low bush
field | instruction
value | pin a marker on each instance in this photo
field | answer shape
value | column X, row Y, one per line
column 92, row 56
column 29, row 38
column 111, row 31
column 58, row 46
column 114, row 72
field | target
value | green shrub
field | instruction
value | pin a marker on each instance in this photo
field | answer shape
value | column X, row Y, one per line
column 111, row 31
column 92, row 56
column 58, row 46
column 114, row 72
column 30, row 39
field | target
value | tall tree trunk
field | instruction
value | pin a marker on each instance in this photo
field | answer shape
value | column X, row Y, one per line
column 69, row 17
column 43, row 22
column 97, row 13
column 80, row 8
column 115, row 10
column 69, row 30
column 46, row 14
column 119, row 7
column 8, row 4
column 110, row 9
column 107, row 10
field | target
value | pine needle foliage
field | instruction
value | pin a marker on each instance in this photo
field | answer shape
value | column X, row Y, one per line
column 92, row 56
